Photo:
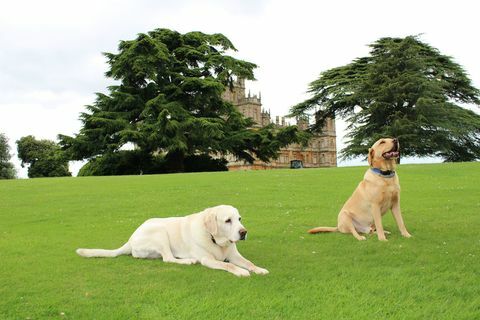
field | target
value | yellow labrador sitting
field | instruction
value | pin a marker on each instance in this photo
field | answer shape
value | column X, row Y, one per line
column 377, row 192
column 208, row 237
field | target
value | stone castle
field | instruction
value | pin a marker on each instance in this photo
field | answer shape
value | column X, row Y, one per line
column 320, row 152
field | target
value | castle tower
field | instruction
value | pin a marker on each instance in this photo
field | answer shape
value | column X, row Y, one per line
column 265, row 118
column 250, row 106
column 236, row 94
column 302, row 123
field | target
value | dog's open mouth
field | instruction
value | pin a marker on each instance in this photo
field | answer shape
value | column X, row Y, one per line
column 393, row 153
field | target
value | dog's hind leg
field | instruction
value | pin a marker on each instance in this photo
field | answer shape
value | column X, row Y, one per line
column 159, row 245
column 345, row 225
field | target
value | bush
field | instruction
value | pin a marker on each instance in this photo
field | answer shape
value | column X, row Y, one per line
column 130, row 162
column 203, row 163
column 135, row 162
column 43, row 157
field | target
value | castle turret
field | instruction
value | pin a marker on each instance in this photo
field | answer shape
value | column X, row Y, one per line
column 302, row 123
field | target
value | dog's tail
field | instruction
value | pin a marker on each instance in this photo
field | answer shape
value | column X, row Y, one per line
column 323, row 229
column 90, row 253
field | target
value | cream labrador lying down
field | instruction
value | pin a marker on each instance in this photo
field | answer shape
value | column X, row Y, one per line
column 378, row 192
column 208, row 237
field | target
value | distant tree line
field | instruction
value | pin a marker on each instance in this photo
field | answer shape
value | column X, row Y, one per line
column 44, row 158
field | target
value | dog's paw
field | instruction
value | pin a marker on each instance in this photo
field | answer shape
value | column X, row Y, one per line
column 406, row 235
column 361, row 238
column 259, row 270
column 383, row 239
column 241, row 272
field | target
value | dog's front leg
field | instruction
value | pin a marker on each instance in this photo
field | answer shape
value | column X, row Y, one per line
column 377, row 218
column 397, row 214
column 236, row 258
column 227, row 266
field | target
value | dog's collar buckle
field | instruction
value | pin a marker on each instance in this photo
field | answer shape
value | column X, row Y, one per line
column 385, row 174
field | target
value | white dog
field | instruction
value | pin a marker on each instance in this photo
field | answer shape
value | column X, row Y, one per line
column 207, row 237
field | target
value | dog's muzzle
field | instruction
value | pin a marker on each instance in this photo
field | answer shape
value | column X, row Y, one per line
column 394, row 152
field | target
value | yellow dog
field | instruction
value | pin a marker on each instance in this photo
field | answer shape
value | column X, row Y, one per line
column 377, row 192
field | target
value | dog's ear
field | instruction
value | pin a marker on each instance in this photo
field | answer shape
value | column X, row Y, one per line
column 371, row 155
column 210, row 221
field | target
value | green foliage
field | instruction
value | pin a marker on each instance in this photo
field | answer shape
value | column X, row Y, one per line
column 136, row 162
column 433, row 275
column 204, row 163
column 123, row 163
column 405, row 89
column 169, row 100
column 43, row 157
column 7, row 170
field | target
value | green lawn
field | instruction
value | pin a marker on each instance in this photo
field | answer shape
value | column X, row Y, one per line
column 434, row 275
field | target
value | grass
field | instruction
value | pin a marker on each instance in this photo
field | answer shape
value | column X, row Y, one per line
column 434, row 275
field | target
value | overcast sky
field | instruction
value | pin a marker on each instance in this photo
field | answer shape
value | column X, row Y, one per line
column 51, row 63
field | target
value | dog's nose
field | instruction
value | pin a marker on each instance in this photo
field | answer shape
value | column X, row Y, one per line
column 243, row 234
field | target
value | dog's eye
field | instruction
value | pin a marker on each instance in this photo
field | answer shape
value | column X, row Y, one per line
column 228, row 221
column 240, row 219
column 382, row 142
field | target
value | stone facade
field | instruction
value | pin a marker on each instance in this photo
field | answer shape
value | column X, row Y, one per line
column 320, row 152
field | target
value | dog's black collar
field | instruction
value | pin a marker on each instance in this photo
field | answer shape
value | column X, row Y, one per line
column 385, row 174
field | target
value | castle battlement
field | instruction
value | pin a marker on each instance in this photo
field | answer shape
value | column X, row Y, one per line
column 253, row 100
